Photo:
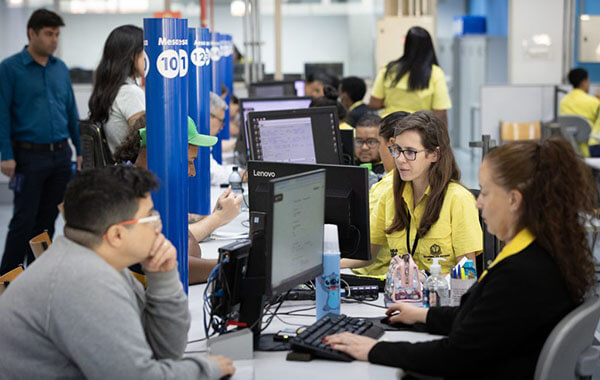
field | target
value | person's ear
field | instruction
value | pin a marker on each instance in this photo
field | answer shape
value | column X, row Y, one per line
column 114, row 236
column 515, row 199
column 435, row 155
column 30, row 33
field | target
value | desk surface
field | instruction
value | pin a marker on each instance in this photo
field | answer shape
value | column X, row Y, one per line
column 593, row 162
column 272, row 365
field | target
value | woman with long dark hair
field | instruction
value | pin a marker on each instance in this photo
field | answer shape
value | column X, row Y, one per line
column 427, row 213
column 413, row 82
column 117, row 101
column 536, row 198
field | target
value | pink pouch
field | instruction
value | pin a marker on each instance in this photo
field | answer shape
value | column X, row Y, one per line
column 402, row 283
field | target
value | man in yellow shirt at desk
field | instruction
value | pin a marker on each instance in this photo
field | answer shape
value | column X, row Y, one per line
column 579, row 102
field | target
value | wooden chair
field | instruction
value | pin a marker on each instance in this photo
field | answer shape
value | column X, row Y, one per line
column 510, row 131
column 9, row 277
column 40, row 243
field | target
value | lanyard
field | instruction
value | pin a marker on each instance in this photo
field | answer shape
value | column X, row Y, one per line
column 414, row 247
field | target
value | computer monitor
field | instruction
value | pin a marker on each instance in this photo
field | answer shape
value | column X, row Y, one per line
column 272, row 89
column 242, row 146
column 286, row 250
column 347, row 137
column 335, row 69
column 346, row 200
column 302, row 136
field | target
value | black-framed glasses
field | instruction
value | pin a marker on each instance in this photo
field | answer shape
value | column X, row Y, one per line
column 371, row 142
column 222, row 121
column 409, row 154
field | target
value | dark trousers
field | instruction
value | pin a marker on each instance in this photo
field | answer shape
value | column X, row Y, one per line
column 44, row 178
column 594, row 150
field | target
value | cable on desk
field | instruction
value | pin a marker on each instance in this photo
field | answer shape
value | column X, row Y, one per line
column 245, row 223
column 197, row 340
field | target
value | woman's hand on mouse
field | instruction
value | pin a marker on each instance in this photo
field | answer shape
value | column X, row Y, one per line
column 406, row 313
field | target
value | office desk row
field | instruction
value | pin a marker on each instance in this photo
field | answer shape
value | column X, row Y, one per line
column 273, row 365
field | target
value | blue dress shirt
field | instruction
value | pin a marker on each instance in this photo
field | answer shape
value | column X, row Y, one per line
column 37, row 104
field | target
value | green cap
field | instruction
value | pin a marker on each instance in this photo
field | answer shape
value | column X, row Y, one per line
column 194, row 138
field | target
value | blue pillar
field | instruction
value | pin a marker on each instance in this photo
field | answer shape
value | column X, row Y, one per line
column 215, row 55
column 199, row 110
column 227, row 75
column 165, row 41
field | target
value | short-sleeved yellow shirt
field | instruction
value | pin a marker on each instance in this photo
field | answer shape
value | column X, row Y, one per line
column 456, row 232
column 578, row 102
column 382, row 261
column 400, row 98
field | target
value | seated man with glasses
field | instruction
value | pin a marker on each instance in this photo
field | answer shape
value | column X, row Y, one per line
column 366, row 143
column 77, row 312
column 219, row 174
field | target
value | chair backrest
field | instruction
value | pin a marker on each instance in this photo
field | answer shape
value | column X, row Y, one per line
column 40, row 243
column 510, row 131
column 567, row 341
column 9, row 277
column 576, row 127
column 94, row 147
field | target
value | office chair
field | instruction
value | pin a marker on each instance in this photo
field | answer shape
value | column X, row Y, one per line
column 568, row 352
column 510, row 131
column 575, row 129
column 94, row 147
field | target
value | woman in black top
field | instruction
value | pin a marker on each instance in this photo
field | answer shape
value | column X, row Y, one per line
column 534, row 196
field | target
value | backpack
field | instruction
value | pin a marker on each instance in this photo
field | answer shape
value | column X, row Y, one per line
column 402, row 282
column 94, row 147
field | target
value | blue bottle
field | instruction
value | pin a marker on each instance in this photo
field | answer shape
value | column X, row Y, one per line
column 328, row 284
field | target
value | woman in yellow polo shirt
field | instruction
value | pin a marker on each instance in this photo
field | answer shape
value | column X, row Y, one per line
column 381, row 260
column 414, row 82
column 427, row 213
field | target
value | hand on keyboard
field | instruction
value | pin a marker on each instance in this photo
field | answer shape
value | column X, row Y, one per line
column 357, row 346
column 313, row 339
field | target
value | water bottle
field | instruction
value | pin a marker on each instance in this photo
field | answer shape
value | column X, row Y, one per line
column 235, row 181
column 435, row 289
column 373, row 178
column 328, row 284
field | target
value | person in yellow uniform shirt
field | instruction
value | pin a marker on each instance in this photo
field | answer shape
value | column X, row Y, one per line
column 381, row 261
column 579, row 102
column 427, row 213
column 414, row 82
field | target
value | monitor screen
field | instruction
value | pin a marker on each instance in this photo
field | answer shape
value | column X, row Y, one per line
column 271, row 89
column 300, row 90
column 300, row 136
column 346, row 200
column 335, row 69
column 296, row 226
column 263, row 104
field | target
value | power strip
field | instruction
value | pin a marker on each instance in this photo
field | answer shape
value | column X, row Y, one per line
column 361, row 292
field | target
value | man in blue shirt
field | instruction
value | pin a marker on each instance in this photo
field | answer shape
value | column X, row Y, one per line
column 37, row 116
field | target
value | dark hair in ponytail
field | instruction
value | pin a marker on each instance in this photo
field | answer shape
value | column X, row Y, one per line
column 558, row 196
column 434, row 136
column 329, row 100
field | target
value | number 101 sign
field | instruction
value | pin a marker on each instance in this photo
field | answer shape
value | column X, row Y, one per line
column 171, row 63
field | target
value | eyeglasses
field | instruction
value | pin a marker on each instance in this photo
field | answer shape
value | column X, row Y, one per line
column 222, row 121
column 153, row 218
column 371, row 143
column 409, row 154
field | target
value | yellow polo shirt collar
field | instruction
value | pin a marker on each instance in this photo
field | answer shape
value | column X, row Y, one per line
column 353, row 106
column 521, row 241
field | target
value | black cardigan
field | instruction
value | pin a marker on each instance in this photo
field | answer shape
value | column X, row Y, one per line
column 499, row 328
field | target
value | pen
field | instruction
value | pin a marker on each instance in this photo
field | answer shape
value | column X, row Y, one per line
column 462, row 274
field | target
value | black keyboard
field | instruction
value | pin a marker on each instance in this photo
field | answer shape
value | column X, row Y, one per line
column 311, row 339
